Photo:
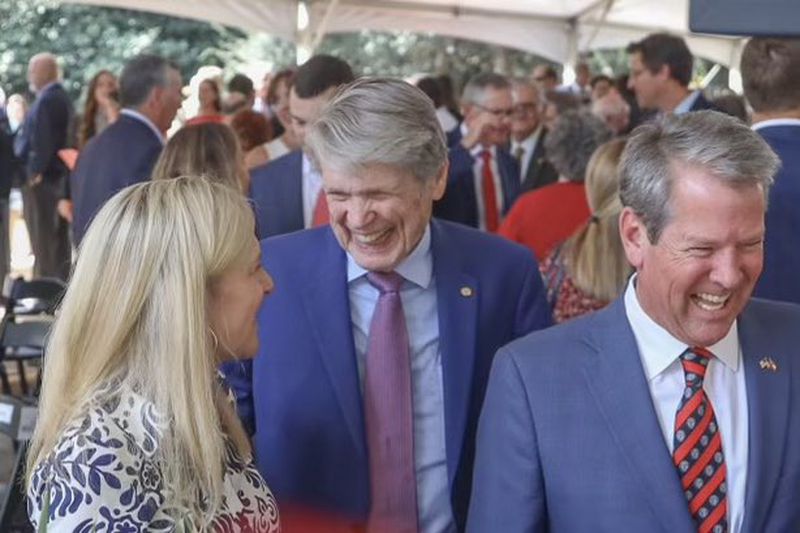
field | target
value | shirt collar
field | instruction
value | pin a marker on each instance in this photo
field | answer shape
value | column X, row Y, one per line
column 530, row 141
column 147, row 122
column 686, row 104
column 479, row 148
column 776, row 122
column 658, row 348
column 416, row 268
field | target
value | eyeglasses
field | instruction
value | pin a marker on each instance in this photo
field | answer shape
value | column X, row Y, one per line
column 497, row 113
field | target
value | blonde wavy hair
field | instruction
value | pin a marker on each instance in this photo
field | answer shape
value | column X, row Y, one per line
column 136, row 314
column 594, row 256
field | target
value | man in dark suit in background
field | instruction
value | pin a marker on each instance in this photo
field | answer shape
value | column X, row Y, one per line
column 125, row 152
column 527, row 137
column 10, row 169
column 660, row 71
column 772, row 86
column 286, row 191
column 375, row 351
column 43, row 135
column 483, row 179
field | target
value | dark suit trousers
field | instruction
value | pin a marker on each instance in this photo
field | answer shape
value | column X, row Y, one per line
column 47, row 230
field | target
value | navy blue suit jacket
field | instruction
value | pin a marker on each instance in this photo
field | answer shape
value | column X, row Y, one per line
column 276, row 189
column 302, row 392
column 122, row 154
column 44, row 133
column 459, row 203
column 780, row 279
column 569, row 439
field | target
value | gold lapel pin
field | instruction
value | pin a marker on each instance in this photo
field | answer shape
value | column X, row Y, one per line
column 466, row 292
column 768, row 364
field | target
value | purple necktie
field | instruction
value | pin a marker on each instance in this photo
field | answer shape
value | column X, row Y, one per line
column 389, row 413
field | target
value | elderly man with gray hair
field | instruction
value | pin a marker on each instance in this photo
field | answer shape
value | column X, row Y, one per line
column 125, row 152
column 376, row 348
column 676, row 407
column 483, row 181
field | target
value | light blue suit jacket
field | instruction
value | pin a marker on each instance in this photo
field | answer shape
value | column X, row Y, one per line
column 569, row 441
column 302, row 393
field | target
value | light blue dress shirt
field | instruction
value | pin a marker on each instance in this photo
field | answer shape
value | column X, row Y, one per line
column 418, row 295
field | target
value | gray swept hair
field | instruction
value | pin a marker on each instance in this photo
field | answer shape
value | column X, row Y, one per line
column 379, row 121
column 475, row 89
column 721, row 144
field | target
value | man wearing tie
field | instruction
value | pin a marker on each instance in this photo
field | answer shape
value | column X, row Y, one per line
column 483, row 180
column 527, row 138
column 676, row 408
column 376, row 348
column 286, row 191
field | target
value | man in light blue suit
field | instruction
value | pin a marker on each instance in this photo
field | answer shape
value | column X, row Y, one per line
column 772, row 88
column 677, row 408
column 314, row 394
column 286, row 191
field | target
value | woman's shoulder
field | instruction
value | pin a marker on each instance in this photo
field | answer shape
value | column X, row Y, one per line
column 101, row 473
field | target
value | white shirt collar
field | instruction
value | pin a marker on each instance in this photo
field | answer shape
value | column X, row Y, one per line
column 776, row 122
column 530, row 141
column 658, row 348
column 687, row 103
column 141, row 118
column 416, row 268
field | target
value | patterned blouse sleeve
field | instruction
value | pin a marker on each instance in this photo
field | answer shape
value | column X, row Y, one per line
column 98, row 479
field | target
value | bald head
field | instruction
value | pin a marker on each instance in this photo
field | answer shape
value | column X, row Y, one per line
column 42, row 70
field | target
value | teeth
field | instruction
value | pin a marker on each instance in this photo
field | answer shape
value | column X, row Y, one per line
column 370, row 238
column 710, row 302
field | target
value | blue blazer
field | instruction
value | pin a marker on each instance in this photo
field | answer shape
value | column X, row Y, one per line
column 122, row 154
column 459, row 203
column 44, row 133
column 302, row 392
column 780, row 279
column 276, row 189
column 569, row 440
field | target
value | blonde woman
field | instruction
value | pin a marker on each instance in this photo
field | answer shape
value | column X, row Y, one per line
column 589, row 269
column 135, row 430
column 205, row 149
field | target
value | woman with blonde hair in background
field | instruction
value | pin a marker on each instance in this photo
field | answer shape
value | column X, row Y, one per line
column 589, row 270
column 210, row 150
column 135, row 429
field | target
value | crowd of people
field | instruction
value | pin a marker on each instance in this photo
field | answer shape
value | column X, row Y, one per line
column 373, row 305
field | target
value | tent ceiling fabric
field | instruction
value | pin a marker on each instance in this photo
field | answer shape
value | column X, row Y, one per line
column 554, row 29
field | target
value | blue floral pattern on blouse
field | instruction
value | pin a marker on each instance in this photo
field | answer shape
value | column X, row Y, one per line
column 101, row 476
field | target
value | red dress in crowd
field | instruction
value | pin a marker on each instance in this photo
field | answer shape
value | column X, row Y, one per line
column 565, row 299
column 545, row 217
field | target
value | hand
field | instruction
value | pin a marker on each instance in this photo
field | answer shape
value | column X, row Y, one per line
column 64, row 208
column 476, row 129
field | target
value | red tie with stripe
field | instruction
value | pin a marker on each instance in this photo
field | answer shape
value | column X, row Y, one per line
column 321, row 215
column 697, row 448
column 489, row 193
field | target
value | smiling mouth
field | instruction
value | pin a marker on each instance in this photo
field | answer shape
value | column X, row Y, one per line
column 710, row 302
column 371, row 239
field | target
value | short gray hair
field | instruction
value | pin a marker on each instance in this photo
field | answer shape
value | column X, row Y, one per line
column 475, row 89
column 140, row 75
column 575, row 137
column 379, row 121
column 718, row 143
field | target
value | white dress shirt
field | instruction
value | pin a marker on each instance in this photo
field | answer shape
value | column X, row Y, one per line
column 528, row 146
column 312, row 187
column 147, row 122
column 418, row 295
column 724, row 386
column 477, row 172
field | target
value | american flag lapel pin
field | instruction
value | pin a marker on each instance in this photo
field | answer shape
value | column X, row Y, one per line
column 768, row 364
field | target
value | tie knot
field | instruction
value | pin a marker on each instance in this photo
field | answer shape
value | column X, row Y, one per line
column 695, row 362
column 486, row 156
column 385, row 282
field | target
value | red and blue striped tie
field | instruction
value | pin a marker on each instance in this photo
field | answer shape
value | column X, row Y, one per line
column 697, row 448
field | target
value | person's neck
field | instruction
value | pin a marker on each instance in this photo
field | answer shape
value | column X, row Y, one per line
column 761, row 116
column 152, row 116
column 207, row 110
column 522, row 137
column 672, row 97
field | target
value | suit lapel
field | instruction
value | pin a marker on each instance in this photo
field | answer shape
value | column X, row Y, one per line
column 327, row 303
column 768, row 417
column 458, row 317
column 617, row 382
column 509, row 178
column 535, row 164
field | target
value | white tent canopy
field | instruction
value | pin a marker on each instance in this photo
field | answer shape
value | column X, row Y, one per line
column 555, row 29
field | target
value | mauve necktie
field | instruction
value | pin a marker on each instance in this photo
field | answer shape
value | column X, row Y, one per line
column 389, row 413
column 697, row 448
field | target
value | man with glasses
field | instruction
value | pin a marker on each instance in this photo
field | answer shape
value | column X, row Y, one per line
column 483, row 180
column 527, row 137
